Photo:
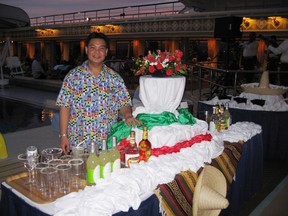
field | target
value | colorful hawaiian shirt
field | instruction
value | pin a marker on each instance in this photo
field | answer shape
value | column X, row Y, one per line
column 94, row 102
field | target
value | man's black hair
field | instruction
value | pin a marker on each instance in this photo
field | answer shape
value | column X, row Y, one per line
column 96, row 35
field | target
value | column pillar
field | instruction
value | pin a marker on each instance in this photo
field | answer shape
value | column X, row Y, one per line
column 30, row 47
column 66, row 51
column 185, row 48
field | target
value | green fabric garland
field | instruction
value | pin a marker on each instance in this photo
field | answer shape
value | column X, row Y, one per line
column 122, row 130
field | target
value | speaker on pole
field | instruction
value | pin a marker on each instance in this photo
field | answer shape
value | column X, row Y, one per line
column 228, row 27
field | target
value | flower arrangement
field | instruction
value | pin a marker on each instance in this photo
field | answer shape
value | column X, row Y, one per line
column 167, row 62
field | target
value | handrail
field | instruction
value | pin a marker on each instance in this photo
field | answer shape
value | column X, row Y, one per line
column 112, row 14
column 213, row 72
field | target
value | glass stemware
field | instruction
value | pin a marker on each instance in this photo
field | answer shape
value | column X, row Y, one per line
column 30, row 164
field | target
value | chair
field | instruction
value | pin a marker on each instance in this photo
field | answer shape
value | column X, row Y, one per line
column 14, row 65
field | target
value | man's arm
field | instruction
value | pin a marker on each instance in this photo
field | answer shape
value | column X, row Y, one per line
column 126, row 112
column 64, row 119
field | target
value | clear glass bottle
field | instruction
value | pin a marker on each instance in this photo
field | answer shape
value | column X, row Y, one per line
column 132, row 151
column 104, row 160
column 91, row 163
column 227, row 116
column 144, row 146
column 213, row 120
column 114, row 156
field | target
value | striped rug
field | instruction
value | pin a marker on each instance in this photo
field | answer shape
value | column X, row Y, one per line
column 176, row 196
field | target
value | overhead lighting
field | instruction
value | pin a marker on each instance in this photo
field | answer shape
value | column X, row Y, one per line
column 275, row 20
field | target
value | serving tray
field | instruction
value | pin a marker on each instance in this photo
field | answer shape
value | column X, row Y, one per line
column 17, row 182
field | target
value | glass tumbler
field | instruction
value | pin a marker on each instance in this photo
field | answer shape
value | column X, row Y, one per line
column 40, row 181
column 77, row 171
column 50, row 180
column 78, row 151
column 64, row 173
column 55, row 162
column 66, row 158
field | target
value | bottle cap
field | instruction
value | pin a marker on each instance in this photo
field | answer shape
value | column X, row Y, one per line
column 31, row 151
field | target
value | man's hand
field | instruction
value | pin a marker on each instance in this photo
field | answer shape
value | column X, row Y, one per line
column 132, row 121
column 65, row 144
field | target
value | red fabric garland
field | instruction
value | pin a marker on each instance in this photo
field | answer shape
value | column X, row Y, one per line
column 170, row 149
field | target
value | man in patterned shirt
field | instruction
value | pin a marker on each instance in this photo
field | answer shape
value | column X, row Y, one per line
column 91, row 97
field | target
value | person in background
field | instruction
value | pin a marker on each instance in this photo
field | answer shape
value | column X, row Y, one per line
column 37, row 70
column 282, row 50
column 91, row 97
column 272, row 60
column 249, row 59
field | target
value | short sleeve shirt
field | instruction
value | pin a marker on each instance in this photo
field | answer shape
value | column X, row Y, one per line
column 94, row 102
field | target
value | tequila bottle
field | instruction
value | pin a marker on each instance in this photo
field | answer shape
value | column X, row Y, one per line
column 144, row 146
column 132, row 151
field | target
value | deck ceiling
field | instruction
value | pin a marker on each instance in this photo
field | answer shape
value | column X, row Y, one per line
column 230, row 5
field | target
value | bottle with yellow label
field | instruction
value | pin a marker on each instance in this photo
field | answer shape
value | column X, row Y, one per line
column 144, row 146
column 132, row 151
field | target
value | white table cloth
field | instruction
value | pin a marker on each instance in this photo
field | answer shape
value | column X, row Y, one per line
column 159, row 94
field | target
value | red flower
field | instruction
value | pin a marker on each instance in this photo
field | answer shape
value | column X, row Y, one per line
column 151, row 69
column 177, row 67
column 158, row 60
column 184, row 67
column 178, row 54
column 171, row 58
column 169, row 72
column 159, row 66
column 162, row 58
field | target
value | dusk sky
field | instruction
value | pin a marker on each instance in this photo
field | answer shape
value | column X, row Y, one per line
column 36, row 8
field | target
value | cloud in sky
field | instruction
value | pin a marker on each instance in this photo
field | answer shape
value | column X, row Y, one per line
column 37, row 8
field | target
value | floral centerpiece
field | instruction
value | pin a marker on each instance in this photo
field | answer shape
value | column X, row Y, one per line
column 169, row 64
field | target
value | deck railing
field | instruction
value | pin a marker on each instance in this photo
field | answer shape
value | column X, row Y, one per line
column 119, row 13
column 222, row 82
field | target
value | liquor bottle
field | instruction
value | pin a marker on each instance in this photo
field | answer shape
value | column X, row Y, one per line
column 104, row 160
column 217, row 109
column 218, row 118
column 132, row 151
column 91, row 164
column 221, row 110
column 144, row 146
column 227, row 116
column 114, row 156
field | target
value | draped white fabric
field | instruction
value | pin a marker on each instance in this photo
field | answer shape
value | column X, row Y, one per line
column 160, row 94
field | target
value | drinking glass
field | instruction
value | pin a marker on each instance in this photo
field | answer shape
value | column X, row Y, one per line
column 40, row 183
column 55, row 162
column 51, row 153
column 77, row 170
column 50, row 180
column 66, row 158
column 78, row 151
column 64, row 173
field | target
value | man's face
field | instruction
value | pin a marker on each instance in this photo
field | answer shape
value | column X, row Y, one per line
column 96, row 51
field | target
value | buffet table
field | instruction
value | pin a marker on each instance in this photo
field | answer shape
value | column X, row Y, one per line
column 274, row 128
column 248, row 182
